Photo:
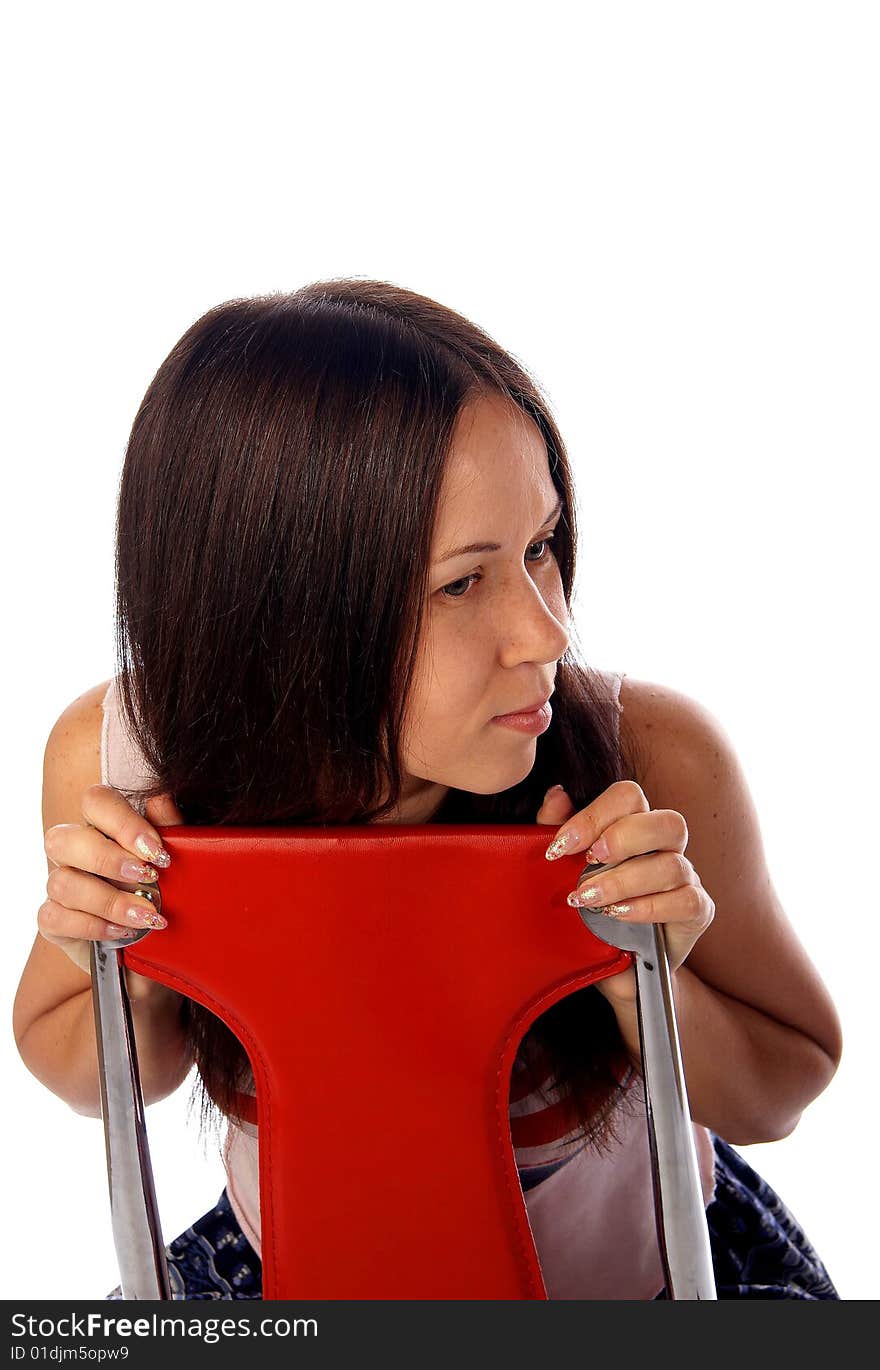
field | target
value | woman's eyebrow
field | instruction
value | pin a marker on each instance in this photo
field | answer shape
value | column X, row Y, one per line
column 490, row 546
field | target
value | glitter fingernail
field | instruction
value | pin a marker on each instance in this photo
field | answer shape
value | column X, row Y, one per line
column 145, row 918
column 134, row 870
column 598, row 853
column 154, row 854
column 561, row 844
column 585, row 898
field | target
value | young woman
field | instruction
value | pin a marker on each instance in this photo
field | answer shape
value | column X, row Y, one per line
column 345, row 548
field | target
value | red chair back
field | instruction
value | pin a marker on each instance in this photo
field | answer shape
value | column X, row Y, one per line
column 380, row 978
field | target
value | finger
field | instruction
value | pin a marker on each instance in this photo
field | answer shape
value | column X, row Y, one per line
column 111, row 812
column 82, row 847
column 61, row 925
column 83, row 894
column 557, row 806
column 640, row 876
column 584, row 828
column 655, row 831
column 86, row 848
column 163, row 812
column 686, row 911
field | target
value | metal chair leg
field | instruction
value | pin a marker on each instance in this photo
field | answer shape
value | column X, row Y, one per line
column 137, row 1231
column 682, row 1230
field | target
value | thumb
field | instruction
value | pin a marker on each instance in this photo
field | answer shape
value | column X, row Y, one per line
column 163, row 812
column 556, row 808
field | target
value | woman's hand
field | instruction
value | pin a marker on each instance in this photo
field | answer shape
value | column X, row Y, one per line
column 98, row 866
column 654, row 882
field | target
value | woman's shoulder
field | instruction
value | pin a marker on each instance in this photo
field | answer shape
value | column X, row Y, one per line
column 77, row 729
column 677, row 738
column 72, row 757
column 647, row 703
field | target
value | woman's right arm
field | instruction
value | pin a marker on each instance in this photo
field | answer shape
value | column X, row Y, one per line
column 53, row 1017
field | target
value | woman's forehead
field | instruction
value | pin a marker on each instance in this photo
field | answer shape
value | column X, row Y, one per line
column 498, row 456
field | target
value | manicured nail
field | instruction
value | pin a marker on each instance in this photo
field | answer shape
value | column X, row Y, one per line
column 587, row 897
column 561, row 844
column 145, row 918
column 155, row 854
column 615, row 910
column 115, row 932
column 133, row 870
column 598, row 852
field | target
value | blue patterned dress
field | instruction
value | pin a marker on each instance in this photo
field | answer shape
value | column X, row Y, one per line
column 758, row 1250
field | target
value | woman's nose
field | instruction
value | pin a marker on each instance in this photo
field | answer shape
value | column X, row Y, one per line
column 533, row 629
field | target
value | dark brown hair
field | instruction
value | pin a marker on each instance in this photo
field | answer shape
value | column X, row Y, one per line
column 275, row 517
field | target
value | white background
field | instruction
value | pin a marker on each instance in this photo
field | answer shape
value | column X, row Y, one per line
column 670, row 214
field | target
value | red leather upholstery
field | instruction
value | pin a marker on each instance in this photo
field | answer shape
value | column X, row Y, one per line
column 380, row 978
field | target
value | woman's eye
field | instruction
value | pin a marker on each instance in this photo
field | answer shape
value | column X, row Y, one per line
column 466, row 580
column 542, row 542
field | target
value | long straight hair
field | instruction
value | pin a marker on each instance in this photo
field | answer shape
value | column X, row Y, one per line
column 275, row 518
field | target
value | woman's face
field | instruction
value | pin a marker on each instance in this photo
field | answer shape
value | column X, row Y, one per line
column 494, row 626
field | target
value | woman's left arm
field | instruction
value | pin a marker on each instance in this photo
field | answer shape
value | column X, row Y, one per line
column 760, row 1036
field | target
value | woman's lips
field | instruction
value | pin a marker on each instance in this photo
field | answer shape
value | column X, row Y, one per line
column 534, row 721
